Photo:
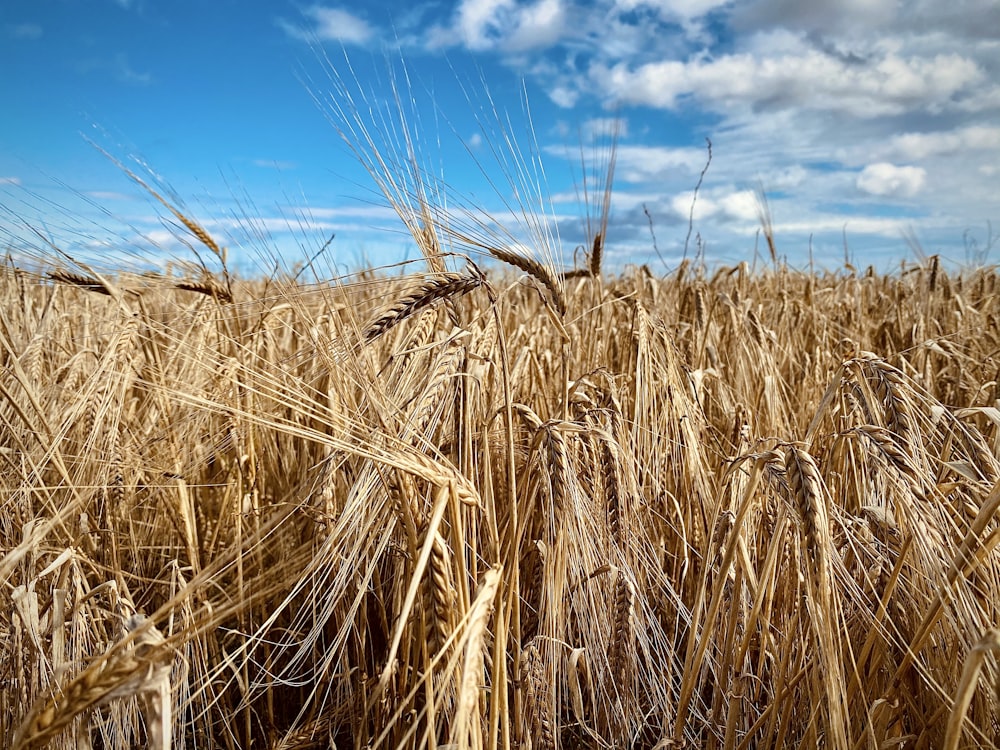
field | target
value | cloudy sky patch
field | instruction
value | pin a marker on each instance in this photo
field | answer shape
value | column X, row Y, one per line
column 875, row 115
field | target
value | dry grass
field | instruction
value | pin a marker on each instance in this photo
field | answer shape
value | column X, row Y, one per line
column 722, row 509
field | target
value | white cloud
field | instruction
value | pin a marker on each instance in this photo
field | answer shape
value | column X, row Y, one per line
column 681, row 206
column 506, row 26
column 482, row 23
column 786, row 178
column 653, row 163
column 721, row 204
column 740, row 205
column 888, row 180
column 538, row 25
column 161, row 238
column 858, row 103
column 564, row 96
column 915, row 146
column 331, row 25
column 893, row 85
column 836, row 223
column 985, row 100
column 10, row 180
column 339, row 212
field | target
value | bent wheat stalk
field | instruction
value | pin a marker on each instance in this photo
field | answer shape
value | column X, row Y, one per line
column 442, row 287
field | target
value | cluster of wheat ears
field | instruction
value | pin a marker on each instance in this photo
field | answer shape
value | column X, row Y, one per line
column 726, row 508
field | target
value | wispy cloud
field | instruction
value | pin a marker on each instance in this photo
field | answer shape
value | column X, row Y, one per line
column 125, row 73
column 353, row 212
column 327, row 24
column 107, row 195
column 10, row 180
column 639, row 164
column 281, row 166
column 119, row 67
column 24, row 30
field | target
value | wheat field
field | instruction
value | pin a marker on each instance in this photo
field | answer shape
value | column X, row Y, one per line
column 489, row 501
column 740, row 508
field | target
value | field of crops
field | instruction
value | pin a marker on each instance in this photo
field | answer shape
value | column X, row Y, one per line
column 732, row 508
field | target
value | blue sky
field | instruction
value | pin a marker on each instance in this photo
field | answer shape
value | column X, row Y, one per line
column 874, row 121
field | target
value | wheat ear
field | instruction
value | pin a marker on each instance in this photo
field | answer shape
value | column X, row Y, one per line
column 533, row 268
column 472, row 667
column 967, row 686
column 84, row 282
column 538, row 697
column 140, row 668
column 441, row 287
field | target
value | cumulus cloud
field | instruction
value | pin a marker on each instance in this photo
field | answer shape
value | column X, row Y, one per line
column 830, row 16
column 968, row 19
column 538, row 25
column 893, row 85
column 481, row 23
column 914, row 146
column 740, row 205
column 564, row 96
column 505, row 26
column 328, row 24
column 684, row 205
column 818, row 102
column 721, row 204
column 888, row 180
